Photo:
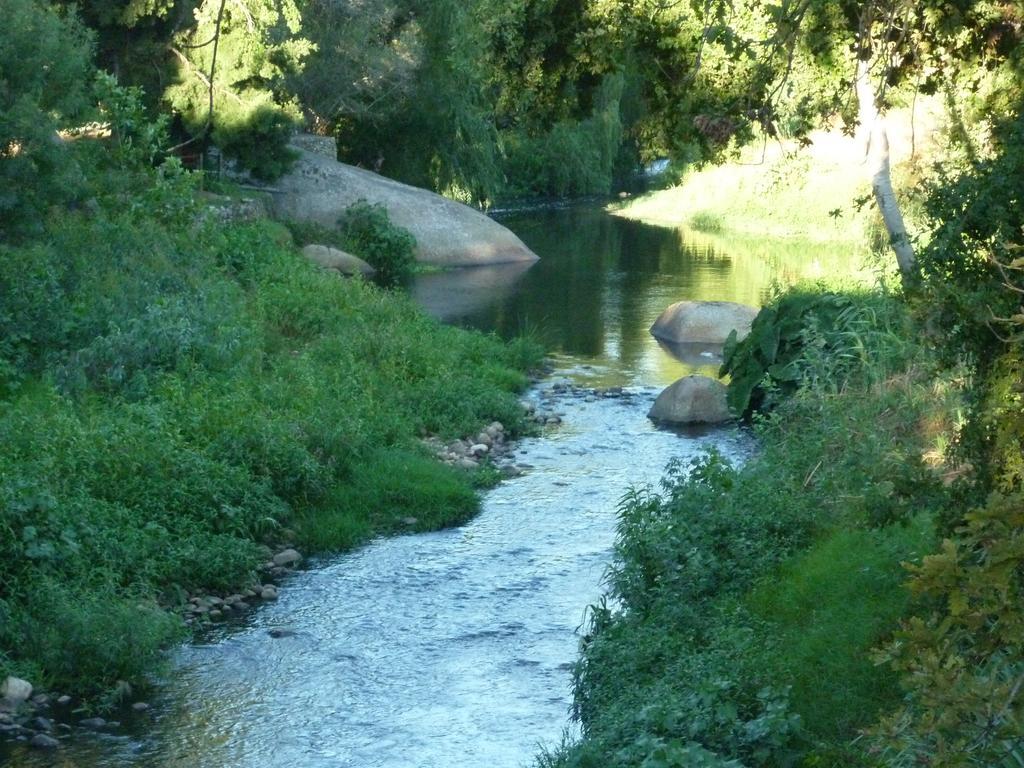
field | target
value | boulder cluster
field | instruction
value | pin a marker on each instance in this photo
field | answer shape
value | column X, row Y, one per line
column 702, row 327
column 41, row 719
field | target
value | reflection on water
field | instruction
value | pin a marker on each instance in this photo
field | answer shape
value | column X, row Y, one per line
column 603, row 280
column 461, row 293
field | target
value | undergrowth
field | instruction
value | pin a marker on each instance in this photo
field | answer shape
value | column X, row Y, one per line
column 175, row 394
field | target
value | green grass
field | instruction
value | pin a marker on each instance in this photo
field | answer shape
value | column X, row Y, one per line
column 825, row 611
column 175, row 396
column 783, row 197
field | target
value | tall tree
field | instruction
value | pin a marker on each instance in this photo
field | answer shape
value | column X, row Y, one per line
column 45, row 72
column 221, row 67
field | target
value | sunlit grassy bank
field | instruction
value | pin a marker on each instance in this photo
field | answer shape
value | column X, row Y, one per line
column 174, row 396
column 777, row 197
column 817, row 194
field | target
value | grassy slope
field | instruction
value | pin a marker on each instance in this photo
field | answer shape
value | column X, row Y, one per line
column 172, row 397
column 777, row 197
column 803, row 198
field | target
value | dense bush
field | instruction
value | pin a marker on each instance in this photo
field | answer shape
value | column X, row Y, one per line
column 367, row 231
column 736, row 592
column 962, row 662
column 45, row 70
column 258, row 139
column 572, row 158
column 818, row 339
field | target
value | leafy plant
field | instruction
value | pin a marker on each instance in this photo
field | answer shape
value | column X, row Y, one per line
column 962, row 662
column 813, row 338
column 367, row 232
column 45, row 58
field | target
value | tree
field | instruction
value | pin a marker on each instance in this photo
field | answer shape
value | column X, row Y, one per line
column 45, row 72
column 220, row 66
column 719, row 69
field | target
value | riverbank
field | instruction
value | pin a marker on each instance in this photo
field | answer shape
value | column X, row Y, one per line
column 746, row 603
column 182, row 401
column 804, row 196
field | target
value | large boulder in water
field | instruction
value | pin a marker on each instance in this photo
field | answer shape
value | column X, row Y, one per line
column 692, row 400
column 448, row 234
column 707, row 322
column 340, row 261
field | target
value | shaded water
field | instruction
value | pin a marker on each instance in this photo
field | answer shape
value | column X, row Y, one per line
column 453, row 649
column 603, row 280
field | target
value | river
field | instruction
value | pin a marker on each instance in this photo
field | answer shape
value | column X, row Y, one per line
column 454, row 649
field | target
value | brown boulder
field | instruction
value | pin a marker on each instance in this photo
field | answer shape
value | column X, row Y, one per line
column 692, row 400
column 707, row 322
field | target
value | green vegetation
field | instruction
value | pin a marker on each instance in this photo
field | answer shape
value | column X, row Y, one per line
column 174, row 397
column 365, row 231
column 784, row 196
column 749, row 599
column 851, row 586
column 815, row 337
column 178, row 392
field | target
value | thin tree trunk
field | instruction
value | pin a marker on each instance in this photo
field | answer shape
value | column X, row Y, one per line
column 872, row 126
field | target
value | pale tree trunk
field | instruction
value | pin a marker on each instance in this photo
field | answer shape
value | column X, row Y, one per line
column 872, row 128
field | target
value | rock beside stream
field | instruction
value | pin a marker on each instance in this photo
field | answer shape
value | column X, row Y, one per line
column 449, row 234
column 342, row 262
column 703, row 322
column 43, row 741
column 692, row 400
column 14, row 692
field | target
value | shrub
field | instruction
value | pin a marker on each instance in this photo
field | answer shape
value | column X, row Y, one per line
column 572, row 158
column 367, row 232
column 257, row 138
column 734, row 591
column 962, row 662
column 45, row 61
column 707, row 221
column 818, row 339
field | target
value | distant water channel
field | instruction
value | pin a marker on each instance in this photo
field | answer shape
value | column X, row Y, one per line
column 454, row 649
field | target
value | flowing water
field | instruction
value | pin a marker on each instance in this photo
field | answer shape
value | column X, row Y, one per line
column 454, row 649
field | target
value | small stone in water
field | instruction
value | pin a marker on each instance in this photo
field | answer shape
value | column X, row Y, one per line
column 140, row 706
column 42, row 741
column 287, row 557
column 269, row 593
column 92, row 723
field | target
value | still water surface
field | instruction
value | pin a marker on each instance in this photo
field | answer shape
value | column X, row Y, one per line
column 453, row 649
